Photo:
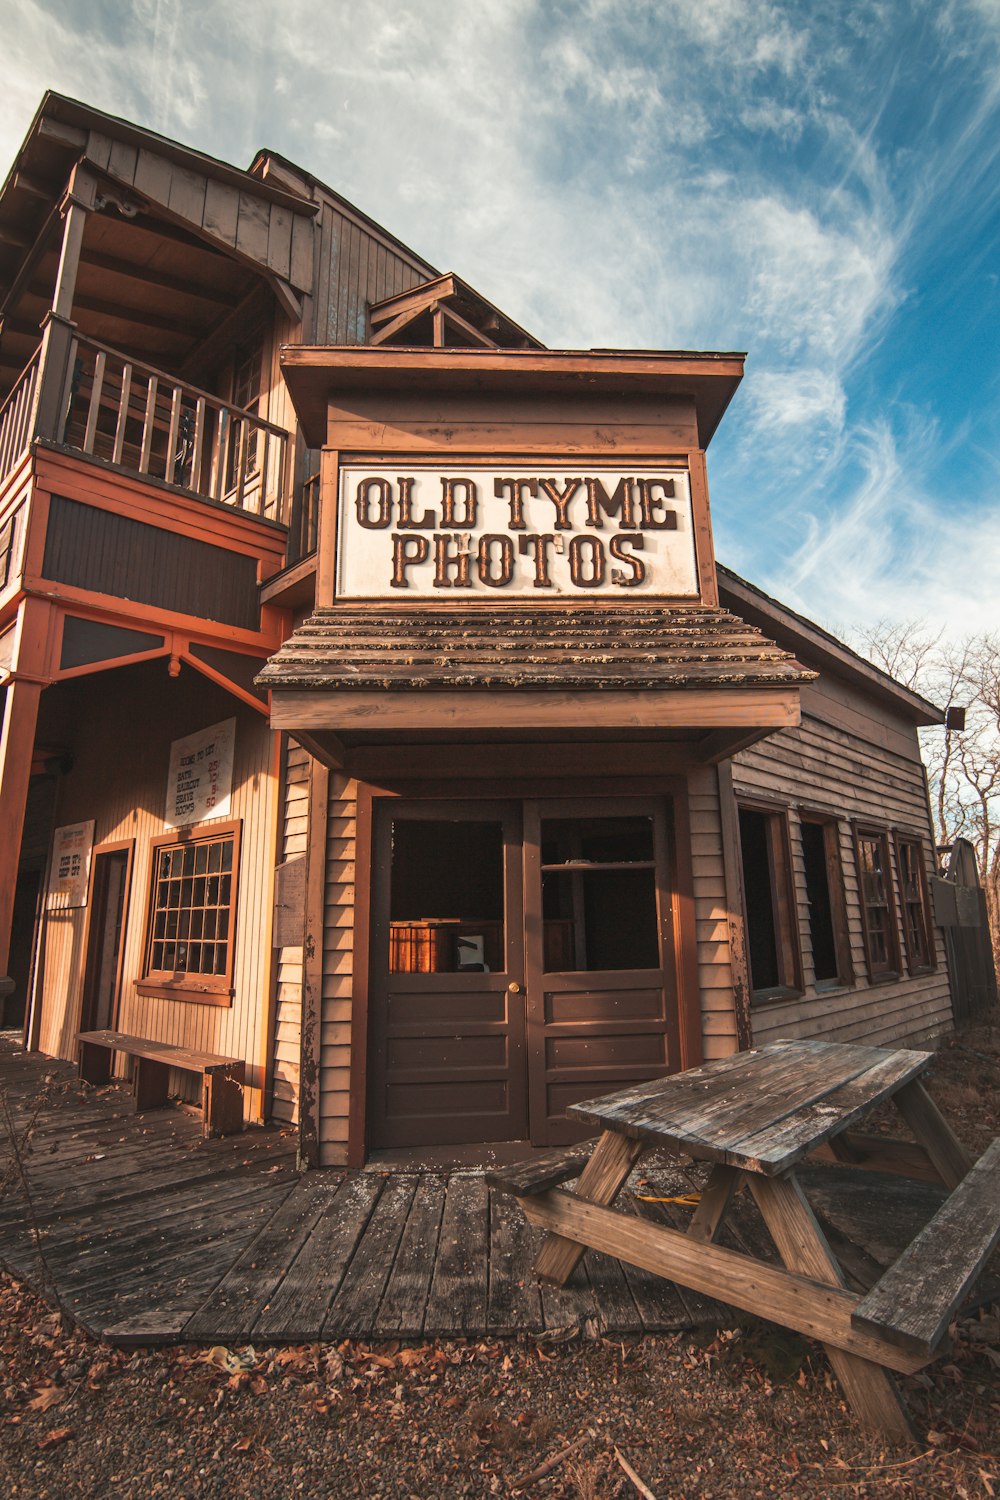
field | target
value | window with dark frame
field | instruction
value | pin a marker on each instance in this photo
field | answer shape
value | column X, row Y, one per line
column 913, row 894
column 828, row 934
column 772, row 934
column 192, row 915
column 878, row 911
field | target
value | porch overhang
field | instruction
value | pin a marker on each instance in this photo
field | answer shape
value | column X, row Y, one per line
column 698, row 675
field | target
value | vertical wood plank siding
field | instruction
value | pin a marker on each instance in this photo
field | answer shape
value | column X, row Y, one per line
column 854, row 760
column 119, row 778
column 338, row 973
column 359, row 269
column 288, row 1016
column 718, row 1018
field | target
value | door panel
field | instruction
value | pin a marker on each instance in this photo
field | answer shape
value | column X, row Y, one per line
column 469, row 900
column 102, row 972
column 601, row 1008
column 448, row 1053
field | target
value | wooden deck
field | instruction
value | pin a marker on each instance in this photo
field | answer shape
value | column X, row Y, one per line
column 146, row 1233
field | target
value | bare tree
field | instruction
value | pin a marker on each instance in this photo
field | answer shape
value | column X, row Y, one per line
column 963, row 765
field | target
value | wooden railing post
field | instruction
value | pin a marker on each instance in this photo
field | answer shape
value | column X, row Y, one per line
column 54, row 374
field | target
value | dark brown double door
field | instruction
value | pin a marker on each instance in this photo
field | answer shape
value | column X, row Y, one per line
column 522, row 959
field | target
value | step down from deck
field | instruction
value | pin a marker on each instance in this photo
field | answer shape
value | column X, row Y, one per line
column 912, row 1304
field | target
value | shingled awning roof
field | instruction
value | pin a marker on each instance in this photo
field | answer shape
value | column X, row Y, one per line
column 522, row 647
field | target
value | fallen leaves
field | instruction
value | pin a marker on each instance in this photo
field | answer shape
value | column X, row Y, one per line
column 55, row 1437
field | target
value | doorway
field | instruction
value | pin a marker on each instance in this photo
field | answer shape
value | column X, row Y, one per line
column 102, row 971
column 522, row 959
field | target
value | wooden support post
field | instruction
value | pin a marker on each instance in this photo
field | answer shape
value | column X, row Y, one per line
column 222, row 1101
column 869, row 1388
column 312, row 966
column 69, row 259
column 150, row 1083
column 950, row 1158
column 716, row 1197
column 17, row 738
column 95, row 1063
column 601, row 1180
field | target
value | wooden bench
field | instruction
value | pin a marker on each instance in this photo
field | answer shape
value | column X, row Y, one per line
column 222, row 1077
column 911, row 1305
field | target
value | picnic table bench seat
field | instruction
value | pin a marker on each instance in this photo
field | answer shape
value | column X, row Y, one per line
column 222, row 1077
column 912, row 1303
column 539, row 1173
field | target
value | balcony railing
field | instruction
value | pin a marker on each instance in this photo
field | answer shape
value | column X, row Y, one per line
column 17, row 416
column 147, row 422
column 87, row 396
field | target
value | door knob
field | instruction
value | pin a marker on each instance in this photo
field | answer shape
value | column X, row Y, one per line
column 513, row 988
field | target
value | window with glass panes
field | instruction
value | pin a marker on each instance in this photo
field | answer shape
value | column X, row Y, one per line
column 192, row 906
column 877, row 906
column 913, row 893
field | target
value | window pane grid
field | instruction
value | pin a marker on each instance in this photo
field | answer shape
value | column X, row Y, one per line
column 191, row 900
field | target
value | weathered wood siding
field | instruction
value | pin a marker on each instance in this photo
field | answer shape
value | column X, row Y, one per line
column 288, row 1009
column 357, row 264
column 117, row 727
column 338, row 973
column 852, row 758
column 711, row 905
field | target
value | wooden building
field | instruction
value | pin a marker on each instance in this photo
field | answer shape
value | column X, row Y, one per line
column 374, row 709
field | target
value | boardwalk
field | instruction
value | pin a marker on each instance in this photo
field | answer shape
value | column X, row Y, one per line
column 146, row 1233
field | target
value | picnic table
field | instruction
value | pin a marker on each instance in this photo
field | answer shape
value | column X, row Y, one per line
column 755, row 1117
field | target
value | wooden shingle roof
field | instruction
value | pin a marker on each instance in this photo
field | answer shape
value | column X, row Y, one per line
column 526, row 646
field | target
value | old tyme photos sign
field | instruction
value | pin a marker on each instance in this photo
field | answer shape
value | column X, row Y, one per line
column 422, row 532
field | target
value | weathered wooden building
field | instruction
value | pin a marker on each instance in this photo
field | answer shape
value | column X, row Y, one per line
column 375, row 711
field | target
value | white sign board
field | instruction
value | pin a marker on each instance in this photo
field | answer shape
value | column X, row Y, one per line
column 533, row 531
column 200, row 778
column 69, row 874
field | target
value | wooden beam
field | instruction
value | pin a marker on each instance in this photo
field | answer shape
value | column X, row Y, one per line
column 23, row 183
column 810, row 1307
column 141, row 317
column 531, row 709
column 324, row 747
column 289, row 303
column 147, row 275
column 14, row 237
column 30, row 263
column 226, row 331
column 72, row 136
column 723, row 744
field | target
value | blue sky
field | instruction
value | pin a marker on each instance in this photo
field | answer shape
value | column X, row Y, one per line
column 818, row 186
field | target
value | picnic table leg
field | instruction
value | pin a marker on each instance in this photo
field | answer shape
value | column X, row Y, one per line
column 716, row 1196
column 869, row 1388
column 951, row 1160
column 601, row 1180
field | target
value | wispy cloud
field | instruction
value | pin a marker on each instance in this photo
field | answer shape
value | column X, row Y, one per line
column 819, row 186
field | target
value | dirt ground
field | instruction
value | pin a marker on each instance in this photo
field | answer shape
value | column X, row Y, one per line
column 737, row 1412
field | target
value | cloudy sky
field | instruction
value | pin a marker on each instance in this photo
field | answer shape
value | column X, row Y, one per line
column 816, row 185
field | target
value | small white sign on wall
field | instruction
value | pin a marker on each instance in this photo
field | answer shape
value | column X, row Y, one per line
column 200, row 777
column 69, row 876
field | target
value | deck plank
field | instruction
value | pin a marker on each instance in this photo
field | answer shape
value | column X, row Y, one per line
column 296, row 1311
column 456, row 1303
column 404, row 1302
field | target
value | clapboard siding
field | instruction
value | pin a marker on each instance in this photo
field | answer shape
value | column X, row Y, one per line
column 711, row 905
column 288, row 1004
column 338, row 973
column 853, row 760
column 117, row 727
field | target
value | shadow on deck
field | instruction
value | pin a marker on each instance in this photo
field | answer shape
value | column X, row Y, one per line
column 146, row 1233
